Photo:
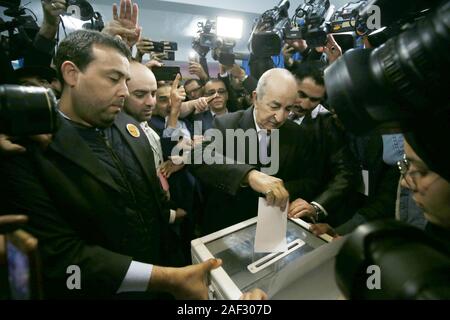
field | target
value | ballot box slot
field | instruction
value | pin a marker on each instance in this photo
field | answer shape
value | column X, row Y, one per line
column 270, row 259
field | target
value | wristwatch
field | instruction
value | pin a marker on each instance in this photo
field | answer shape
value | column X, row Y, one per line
column 319, row 215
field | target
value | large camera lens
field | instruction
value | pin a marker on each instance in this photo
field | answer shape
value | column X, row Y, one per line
column 411, row 265
column 403, row 80
column 27, row 110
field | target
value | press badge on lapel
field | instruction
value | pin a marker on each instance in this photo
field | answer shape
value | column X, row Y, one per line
column 133, row 130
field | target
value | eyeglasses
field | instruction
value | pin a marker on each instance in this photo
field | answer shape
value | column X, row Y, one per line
column 220, row 92
column 411, row 177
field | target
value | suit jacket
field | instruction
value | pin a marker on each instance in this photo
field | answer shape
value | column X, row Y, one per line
column 227, row 202
column 206, row 118
column 335, row 169
column 77, row 212
column 383, row 179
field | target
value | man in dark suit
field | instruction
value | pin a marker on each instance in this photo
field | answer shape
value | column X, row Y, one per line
column 93, row 198
column 228, row 201
column 336, row 172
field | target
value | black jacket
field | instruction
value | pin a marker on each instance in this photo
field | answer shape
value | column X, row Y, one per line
column 78, row 212
column 335, row 170
column 227, row 201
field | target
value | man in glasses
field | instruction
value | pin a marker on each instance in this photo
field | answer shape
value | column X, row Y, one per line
column 431, row 191
column 216, row 92
column 194, row 89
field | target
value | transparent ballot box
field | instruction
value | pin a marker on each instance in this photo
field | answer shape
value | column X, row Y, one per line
column 304, row 271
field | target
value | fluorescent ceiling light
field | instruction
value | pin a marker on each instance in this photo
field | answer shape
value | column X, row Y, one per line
column 229, row 27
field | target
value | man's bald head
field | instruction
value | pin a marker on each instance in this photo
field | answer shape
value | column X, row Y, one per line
column 142, row 87
column 276, row 79
column 140, row 73
column 274, row 97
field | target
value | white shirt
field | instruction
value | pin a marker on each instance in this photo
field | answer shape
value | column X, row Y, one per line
column 259, row 130
column 155, row 142
column 320, row 109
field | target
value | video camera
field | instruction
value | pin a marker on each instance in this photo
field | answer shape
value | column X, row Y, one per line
column 269, row 31
column 207, row 39
column 27, row 110
column 312, row 21
column 21, row 30
column 401, row 85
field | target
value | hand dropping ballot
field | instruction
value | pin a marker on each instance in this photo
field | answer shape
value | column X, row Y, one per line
column 270, row 228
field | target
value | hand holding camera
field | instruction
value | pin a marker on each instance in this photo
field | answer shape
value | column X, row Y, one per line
column 197, row 69
column 144, row 46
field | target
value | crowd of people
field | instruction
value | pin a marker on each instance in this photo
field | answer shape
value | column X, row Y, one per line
column 107, row 192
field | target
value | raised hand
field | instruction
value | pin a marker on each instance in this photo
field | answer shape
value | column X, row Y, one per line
column 332, row 49
column 52, row 10
column 125, row 23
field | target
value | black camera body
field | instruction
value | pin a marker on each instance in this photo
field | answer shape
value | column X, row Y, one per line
column 401, row 85
column 21, row 30
column 269, row 31
column 311, row 22
column 166, row 47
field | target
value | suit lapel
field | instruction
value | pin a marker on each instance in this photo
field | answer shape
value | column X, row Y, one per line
column 68, row 143
column 140, row 146
column 247, row 121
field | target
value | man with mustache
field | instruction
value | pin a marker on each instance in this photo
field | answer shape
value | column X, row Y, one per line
column 337, row 173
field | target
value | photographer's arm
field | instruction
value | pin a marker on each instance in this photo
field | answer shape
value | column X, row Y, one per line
column 52, row 10
column 44, row 43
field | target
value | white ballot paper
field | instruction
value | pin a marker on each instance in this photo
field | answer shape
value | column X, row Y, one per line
column 270, row 228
